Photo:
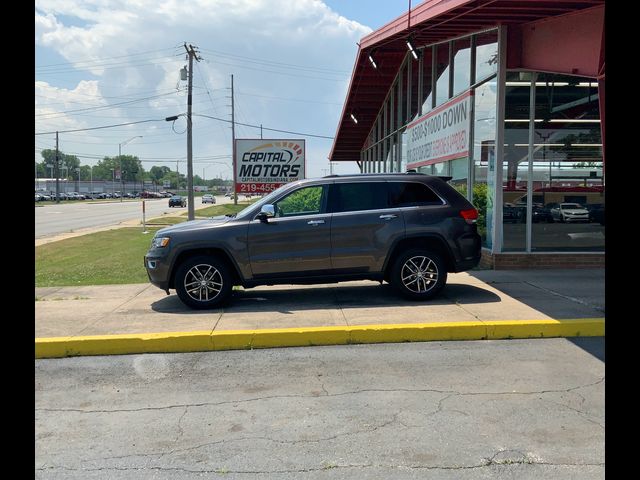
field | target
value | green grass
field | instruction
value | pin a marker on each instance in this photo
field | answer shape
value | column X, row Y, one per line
column 222, row 209
column 165, row 221
column 103, row 258
column 109, row 257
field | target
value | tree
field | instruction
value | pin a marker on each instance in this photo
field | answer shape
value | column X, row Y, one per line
column 157, row 174
column 68, row 163
column 41, row 170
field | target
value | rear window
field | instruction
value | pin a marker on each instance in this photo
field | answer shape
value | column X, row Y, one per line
column 354, row 197
column 411, row 194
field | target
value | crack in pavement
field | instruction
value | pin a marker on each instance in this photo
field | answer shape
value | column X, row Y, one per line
column 486, row 463
column 566, row 297
column 394, row 419
column 354, row 392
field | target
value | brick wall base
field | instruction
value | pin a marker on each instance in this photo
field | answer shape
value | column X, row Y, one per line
column 506, row 261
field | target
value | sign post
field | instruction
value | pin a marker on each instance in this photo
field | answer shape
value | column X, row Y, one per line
column 144, row 221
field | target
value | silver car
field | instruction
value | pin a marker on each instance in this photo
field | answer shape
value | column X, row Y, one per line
column 570, row 212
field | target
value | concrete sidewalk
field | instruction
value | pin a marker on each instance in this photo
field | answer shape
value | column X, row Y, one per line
column 474, row 305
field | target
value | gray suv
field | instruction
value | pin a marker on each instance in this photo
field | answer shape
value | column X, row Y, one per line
column 406, row 229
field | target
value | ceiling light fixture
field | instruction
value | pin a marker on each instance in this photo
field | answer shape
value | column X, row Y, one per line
column 355, row 120
column 372, row 62
column 411, row 49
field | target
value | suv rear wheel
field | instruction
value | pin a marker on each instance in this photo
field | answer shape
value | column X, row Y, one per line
column 203, row 282
column 418, row 274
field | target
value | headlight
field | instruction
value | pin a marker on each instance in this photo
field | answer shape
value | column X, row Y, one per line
column 160, row 242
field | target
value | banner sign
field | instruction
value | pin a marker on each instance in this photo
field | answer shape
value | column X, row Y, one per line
column 440, row 135
column 264, row 165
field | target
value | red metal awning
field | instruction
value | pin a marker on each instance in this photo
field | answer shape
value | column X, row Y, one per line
column 430, row 22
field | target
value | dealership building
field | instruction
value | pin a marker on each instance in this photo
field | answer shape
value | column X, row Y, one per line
column 507, row 98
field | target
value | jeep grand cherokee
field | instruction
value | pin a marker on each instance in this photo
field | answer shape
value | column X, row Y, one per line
column 405, row 229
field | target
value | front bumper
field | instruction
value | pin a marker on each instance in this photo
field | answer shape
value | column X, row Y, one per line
column 157, row 271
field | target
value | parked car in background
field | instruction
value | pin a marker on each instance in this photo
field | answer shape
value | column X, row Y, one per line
column 540, row 214
column 513, row 214
column 569, row 212
column 208, row 198
column 177, row 201
column 597, row 214
column 592, row 208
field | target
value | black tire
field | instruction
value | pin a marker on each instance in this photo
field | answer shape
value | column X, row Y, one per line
column 418, row 274
column 215, row 290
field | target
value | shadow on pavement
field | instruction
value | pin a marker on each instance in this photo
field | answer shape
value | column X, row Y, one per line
column 592, row 345
column 294, row 299
column 558, row 293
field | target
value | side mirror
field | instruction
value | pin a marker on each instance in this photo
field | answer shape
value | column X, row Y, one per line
column 266, row 212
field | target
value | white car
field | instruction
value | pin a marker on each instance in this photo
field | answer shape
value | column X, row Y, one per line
column 569, row 212
column 208, row 198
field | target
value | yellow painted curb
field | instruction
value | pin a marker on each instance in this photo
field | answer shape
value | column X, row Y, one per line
column 57, row 347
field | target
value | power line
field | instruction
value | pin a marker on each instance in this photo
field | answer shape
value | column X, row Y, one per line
column 98, row 128
column 109, row 58
column 103, row 107
column 287, row 99
column 287, row 73
column 262, row 61
column 265, row 128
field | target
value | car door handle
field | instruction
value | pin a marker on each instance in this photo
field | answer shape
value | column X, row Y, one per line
column 388, row 216
column 315, row 222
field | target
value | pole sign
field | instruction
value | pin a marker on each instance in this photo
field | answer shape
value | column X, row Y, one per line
column 440, row 135
column 264, row 165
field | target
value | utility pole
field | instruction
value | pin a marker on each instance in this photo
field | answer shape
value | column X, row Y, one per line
column 57, row 171
column 192, row 54
column 233, row 148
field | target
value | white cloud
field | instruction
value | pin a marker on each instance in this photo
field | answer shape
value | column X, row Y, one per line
column 232, row 35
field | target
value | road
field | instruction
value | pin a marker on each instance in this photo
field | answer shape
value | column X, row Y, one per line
column 53, row 219
column 525, row 409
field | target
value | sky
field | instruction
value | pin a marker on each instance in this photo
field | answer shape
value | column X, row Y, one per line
column 110, row 62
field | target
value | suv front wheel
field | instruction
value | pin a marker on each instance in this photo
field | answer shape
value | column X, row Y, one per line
column 418, row 274
column 203, row 282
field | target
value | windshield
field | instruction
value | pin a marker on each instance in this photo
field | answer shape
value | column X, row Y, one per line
column 264, row 201
column 571, row 205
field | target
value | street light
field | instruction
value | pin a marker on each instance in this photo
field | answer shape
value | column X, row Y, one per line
column 113, row 181
column 120, row 158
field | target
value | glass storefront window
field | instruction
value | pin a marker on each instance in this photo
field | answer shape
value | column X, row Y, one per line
column 567, row 209
column 427, row 79
column 402, row 99
column 486, row 55
column 515, row 163
column 484, row 132
column 461, row 65
column 403, row 151
column 459, row 171
column 414, row 111
column 568, row 187
column 441, row 169
column 442, row 73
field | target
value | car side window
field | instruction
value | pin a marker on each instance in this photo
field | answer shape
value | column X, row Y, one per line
column 355, row 197
column 411, row 194
column 305, row 201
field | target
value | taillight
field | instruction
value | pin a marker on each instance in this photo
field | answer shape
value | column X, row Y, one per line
column 470, row 215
